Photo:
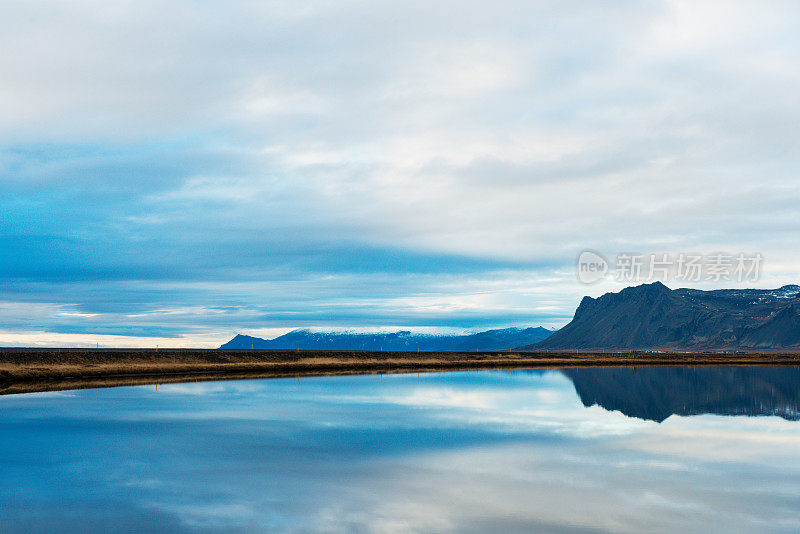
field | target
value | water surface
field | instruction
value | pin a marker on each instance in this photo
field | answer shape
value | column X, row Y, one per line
column 620, row 450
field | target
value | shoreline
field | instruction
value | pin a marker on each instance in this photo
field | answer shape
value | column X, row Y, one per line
column 27, row 370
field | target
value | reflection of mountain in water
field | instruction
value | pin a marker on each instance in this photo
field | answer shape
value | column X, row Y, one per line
column 655, row 393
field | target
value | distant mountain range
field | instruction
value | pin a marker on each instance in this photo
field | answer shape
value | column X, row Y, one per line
column 654, row 317
column 655, row 393
column 504, row 339
column 645, row 317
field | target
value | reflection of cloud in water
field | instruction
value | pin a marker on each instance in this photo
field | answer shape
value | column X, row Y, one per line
column 571, row 485
column 40, row 394
column 209, row 388
column 460, row 451
column 711, row 438
column 519, row 410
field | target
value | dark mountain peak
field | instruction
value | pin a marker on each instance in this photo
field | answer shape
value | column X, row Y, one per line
column 647, row 290
column 631, row 294
column 644, row 296
column 654, row 286
column 587, row 303
column 652, row 316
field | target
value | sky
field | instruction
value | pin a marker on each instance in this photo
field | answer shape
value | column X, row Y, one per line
column 176, row 173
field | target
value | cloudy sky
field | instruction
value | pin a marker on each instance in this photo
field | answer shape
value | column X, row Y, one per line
column 175, row 173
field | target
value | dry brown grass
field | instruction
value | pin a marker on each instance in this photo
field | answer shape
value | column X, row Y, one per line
column 25, row 370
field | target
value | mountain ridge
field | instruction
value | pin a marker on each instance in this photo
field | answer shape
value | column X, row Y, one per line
column 655, row 317
column 498, row 339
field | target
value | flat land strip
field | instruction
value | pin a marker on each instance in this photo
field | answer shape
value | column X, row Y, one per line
column 28, row 370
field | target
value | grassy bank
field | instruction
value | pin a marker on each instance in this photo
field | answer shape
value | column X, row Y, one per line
column 24, row 370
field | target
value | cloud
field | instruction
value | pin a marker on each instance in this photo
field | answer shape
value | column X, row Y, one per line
column 243, row 151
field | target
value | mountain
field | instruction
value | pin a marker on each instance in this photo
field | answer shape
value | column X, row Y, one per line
column 504, row 339
column 655, row 393
column 652, row 317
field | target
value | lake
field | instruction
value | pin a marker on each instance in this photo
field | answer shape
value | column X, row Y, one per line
column 579, row 450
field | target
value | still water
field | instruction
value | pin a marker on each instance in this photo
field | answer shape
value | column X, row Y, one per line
column 620, row 450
